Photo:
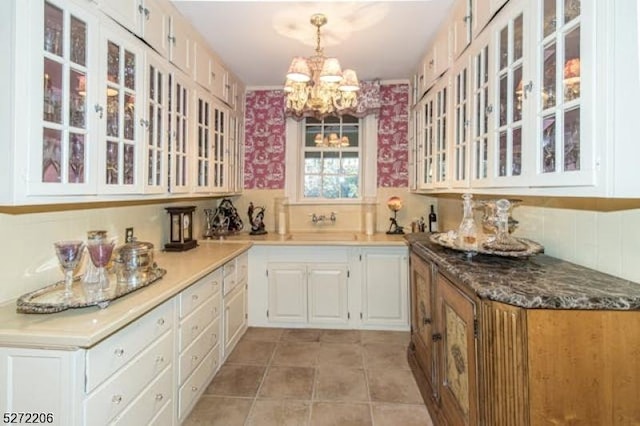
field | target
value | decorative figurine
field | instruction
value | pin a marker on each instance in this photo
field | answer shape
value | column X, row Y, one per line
column 257, row 222
column 225, row 220
column 394, row 204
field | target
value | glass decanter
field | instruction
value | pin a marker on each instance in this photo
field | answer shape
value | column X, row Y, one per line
column 468, row 231
column 503, row 240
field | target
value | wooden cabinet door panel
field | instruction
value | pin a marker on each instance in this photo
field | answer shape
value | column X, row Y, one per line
column 457, row 386
column 327, row 287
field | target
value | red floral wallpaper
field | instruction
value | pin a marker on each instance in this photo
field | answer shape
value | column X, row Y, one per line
column 265, row 138
column 393, row 142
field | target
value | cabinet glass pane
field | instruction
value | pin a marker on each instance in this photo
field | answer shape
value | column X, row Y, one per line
column 571, row 10
column 150, row 165
column 518, row 38
column 572, row 65
column 504, row 47
column 51, row 155
column 53, row 29
column 113, row 112
column 129, row 70
column 549, row 76
column 502, row 97
column 77, row 99
column 129, row 164
column 111, row 177
column 572, row 139
column 502, row 154
column 52, row 98
column 113, row 62
column 518, row 93
column 549, row 17
column 129, row 116
column 549, row 144
column 76, row 158
column 516, row 157
column 78, row 41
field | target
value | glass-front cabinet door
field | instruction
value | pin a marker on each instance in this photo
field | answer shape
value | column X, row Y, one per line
column 461, row 124
column 426, row 141
column 220, row 148
column 155, row 125
column 120, row 111
column 178, row 127
column 481, row 110
column 513, row 87
column 563, row 154
column 204, row 130
column 441, row 133
column 65, row 142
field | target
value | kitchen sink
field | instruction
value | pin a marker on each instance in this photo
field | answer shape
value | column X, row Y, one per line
column 323, row 236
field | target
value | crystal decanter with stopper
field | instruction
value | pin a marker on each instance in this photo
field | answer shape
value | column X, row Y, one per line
column 468, row 231
column 503, row 240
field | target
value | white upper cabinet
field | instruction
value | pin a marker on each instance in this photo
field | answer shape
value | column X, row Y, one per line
column 481, row 87
column 179, row 128
column 461, row 110
column 180, row 41
column 202, row 64
column 147, row 19
column 460, row 22
column 481, row 13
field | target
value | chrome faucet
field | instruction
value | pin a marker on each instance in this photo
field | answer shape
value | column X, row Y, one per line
column 319, row 219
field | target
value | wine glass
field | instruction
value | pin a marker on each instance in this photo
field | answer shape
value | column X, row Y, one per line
column 100, row 252
column 69, row 254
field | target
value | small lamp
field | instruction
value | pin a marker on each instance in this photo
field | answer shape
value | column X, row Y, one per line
column 181, row 229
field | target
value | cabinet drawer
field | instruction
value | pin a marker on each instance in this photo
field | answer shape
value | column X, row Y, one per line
column 193, row 325
column 242, row 267
column 198, row 293
column 195, row 353
column 119, row 391
column 195, row 385
column 230, row 277
column 153, row 399
column 164, row 416
column 108, row 356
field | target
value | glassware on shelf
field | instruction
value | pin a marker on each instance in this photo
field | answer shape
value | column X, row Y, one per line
column 69, row 254
column 468, row 231
column 503, row 241
column 100, row 251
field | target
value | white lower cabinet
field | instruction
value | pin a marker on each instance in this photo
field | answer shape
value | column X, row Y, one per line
column 329, row 287
column 234, row 302
column 151, row 372
column 308, row 293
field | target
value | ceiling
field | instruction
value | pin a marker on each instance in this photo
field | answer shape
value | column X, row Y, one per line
column 257, row 39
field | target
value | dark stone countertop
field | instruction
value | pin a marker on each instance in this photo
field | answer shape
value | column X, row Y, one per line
column 539, row 281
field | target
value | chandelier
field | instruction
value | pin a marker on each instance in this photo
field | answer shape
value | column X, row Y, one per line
column 316, row 86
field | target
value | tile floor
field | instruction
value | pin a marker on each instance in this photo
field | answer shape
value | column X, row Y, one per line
column 314, row 377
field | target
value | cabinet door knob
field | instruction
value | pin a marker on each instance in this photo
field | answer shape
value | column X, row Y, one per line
column 437, row 336
column 146, row 13
column 99, row 109
column 160, row 359
column 426, row 321
column 161, row 321
column 194, row 328
column 117, row 399
column 194, row 388
column 159, row 397
column 118, row 352
column 194, row 358
column 194, row 297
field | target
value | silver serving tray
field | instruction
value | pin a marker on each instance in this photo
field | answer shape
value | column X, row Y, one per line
column 445, row 239
column 47, row 299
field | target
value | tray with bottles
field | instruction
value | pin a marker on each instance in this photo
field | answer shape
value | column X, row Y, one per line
column 483, row 245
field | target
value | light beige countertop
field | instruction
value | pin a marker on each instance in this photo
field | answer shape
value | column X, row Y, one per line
column 320, row 237
column 84, row 327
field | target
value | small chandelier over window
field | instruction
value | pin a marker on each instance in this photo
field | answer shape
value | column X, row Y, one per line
column 317, row 86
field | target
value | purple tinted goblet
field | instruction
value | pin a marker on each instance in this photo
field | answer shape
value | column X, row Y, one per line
column 100, row 253
column 69, row 254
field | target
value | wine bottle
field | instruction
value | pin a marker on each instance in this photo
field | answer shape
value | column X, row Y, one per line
column 433, row 220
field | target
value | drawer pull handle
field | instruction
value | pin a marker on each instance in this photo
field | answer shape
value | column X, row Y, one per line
column 215, row 310
column 194, row 388
column 118, row 352
column 194, row 358
column 161, row 321
column 215, row 337
column 160, row 359
column 159, row 397
column 194, row 297
column 194, row 328
column 117, row 399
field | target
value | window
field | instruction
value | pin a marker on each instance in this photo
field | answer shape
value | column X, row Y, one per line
column 331, row 158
